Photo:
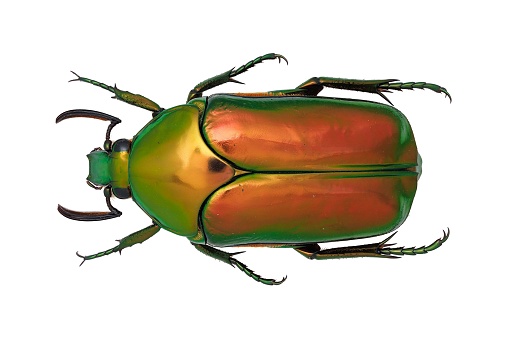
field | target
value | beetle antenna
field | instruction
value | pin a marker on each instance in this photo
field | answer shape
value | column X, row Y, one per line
column 86, row 113
column 92, row 216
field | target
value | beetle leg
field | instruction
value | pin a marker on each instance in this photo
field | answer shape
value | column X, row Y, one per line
column 315, row 85
column 380, row 250
column 279, row 93
column 384, row 250
column 128, row 97
column 228, row 259
column 132, row 239
column 227, row 76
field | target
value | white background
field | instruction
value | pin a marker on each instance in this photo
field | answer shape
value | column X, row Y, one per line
column 165, row 288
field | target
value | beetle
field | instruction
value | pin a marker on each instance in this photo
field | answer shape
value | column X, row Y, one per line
column 284, row 168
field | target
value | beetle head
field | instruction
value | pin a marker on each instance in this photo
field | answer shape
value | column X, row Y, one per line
column 107, row 168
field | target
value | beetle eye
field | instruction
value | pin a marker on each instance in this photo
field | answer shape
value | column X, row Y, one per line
column 121, row 192
column 107, row 145
column 121, row 145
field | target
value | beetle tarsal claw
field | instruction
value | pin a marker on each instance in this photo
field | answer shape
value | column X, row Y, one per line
column 78, row 78
column 279, row 57
column 81, row 256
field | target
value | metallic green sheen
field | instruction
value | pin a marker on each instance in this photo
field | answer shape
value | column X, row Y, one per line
column 98, row 168
column 169, row 170
column 283, row 168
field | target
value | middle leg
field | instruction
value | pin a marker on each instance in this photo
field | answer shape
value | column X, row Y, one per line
column 229, row 75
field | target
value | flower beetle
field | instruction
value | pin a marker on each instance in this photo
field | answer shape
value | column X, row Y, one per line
column 285, row 168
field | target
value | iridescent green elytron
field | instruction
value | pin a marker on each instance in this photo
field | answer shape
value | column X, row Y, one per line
column 284, row 168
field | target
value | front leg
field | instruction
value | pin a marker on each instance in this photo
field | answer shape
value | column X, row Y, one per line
column 227, row 76
column 132, row 239
column 125, row 96
column 228, row 259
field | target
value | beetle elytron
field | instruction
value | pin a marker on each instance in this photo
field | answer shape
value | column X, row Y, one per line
column 284, row 168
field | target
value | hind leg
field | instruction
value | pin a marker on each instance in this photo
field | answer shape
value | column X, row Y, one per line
column 379, row 250
column 315, row 85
